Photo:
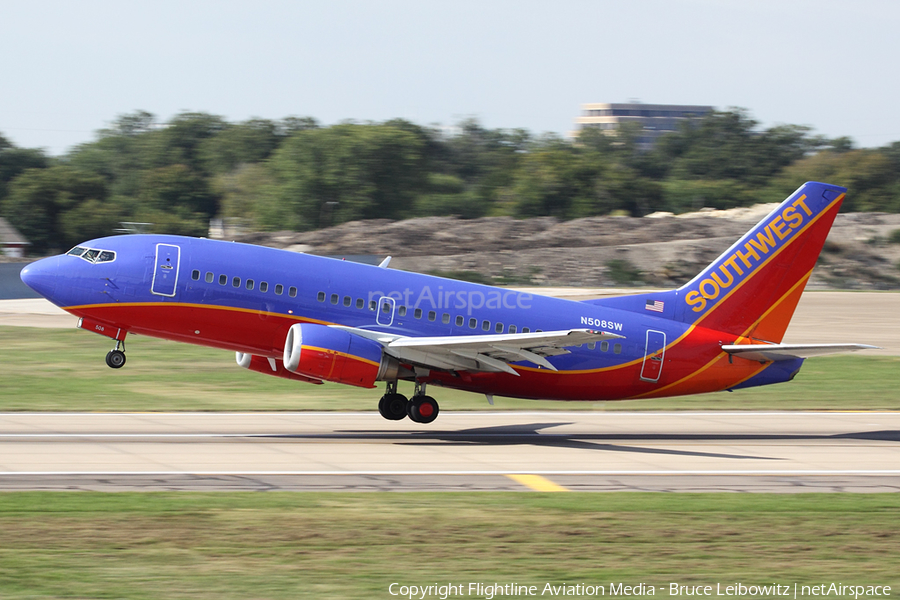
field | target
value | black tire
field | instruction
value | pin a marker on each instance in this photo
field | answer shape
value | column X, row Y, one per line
column 423, row 409
column 115, row 359
column 394, row 407
column 383, row 409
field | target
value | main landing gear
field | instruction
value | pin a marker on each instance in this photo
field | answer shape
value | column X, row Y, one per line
column 420, row 408
column 115, row 358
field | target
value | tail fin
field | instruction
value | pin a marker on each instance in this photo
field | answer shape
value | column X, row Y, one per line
column 752, row 289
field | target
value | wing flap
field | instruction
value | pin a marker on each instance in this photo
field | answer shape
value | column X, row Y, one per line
column 491, row 353
column 775, row 352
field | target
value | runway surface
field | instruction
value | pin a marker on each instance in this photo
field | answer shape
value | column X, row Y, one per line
column 548, row 451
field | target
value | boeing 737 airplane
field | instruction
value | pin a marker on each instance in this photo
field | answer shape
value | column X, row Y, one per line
column 316, row 319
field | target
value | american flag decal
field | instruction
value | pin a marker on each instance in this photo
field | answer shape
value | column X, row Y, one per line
column 655, row 305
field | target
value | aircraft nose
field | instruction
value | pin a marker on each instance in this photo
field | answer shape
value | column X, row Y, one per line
column 42, row 276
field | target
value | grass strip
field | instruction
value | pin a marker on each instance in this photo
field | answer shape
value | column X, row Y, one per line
column 354, row 545
column 64, row 370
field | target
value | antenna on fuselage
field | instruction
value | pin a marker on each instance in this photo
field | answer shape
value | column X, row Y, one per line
column 132, row 227
column 384, row 264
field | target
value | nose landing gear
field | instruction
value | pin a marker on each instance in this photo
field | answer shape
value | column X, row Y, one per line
column 115, row 358
column 421, row 408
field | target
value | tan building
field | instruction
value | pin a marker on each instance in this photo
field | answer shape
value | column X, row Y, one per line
column 655, row 119
column 11, row 241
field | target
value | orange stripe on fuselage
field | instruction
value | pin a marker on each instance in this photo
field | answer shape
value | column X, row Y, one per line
column 724, row 355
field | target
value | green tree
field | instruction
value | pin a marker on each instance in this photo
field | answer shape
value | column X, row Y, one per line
column 120, row 153
column 345, row 172
column 243, row 191
column 245, row 143
column 177, row 190
column 180, row 141
column 557, row 179
column 871, row 176
column 728, row 146
column 15, row 161
column 39, row 201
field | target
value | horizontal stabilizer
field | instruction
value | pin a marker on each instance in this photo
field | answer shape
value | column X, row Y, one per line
column 775, row 352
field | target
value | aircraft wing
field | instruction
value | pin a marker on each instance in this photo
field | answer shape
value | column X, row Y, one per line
column 491, row 353
column 775, row 352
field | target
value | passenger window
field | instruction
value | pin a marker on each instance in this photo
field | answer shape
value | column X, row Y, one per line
column 592, row 345
column 617, row 348
column 525, row 330
column 460, row 320
column 486, row 325
column 539, row 331
column 512, row 328
column 348, row 300
column 473, row 323
column 250, row 284
column 360, row 303
column 263, row 287
column 604, row 346
column 292, row 292
column 386, row 307
column 320, row 296
column 498, row 328
column 195, row 275
column 334, row 298
column 432, row 315
column 223, row 279
column 372, row 305
column 279, row 289
column 445, row 318
column 418, row 313
column 401, row 311
column 236, row 282
column 209, row 277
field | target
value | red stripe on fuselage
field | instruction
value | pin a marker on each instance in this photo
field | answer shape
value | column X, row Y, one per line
column 263, row 334
column 240, row 330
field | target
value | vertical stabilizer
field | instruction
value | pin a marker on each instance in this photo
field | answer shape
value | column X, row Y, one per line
column 752, row 289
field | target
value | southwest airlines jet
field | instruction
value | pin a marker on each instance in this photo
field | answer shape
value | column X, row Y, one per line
column 316, row 319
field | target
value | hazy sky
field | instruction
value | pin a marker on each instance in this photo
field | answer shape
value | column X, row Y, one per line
column 69, row 68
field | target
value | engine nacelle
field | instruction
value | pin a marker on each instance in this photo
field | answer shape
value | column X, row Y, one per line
column 336, row 355
column 270, row 366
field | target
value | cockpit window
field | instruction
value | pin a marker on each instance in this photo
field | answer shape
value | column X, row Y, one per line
column 93, row 255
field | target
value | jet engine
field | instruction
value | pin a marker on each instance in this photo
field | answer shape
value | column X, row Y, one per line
column 331, row 354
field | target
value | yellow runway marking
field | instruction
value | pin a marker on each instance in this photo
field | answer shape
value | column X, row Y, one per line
column 538, row 483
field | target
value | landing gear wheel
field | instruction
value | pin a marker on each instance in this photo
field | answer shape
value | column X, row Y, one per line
column 115, row 359
column 422, row 409
column 393, row 407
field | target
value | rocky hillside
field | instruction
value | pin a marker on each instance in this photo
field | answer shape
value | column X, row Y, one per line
column 862, row 251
